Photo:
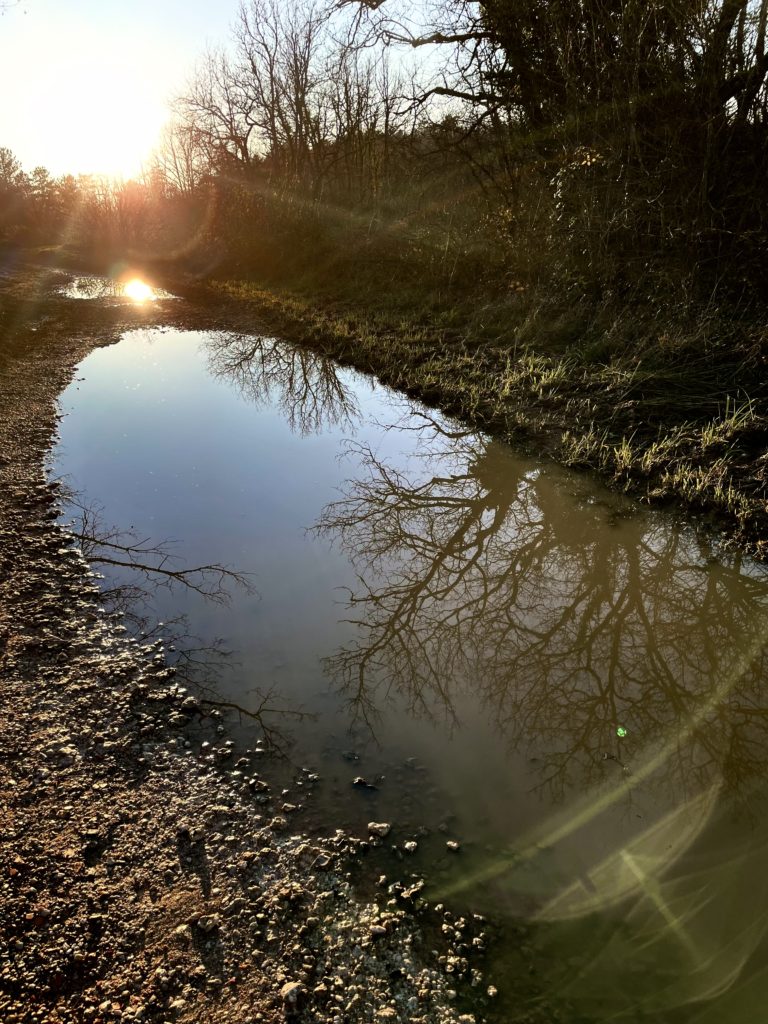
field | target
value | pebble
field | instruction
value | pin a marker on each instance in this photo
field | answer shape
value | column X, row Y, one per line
column 362, row 783
column 292, row 993
column 379, row 828
column 209, row 923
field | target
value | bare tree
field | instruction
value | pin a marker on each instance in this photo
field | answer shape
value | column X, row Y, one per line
column 183, row 158
column 366, row 110
column 280, row 52
column 219, row 112
column 297, row 97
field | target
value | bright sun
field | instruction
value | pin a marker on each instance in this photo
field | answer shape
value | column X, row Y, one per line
column 138, row 290
column 115, row 129
column 89, row 90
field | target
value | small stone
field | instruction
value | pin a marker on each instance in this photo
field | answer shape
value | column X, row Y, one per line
column 492, row 991
column 292, row 993
column 411, row 846
column 209, row 923
column 451, row 844
column 362, row 783
column 379, row 828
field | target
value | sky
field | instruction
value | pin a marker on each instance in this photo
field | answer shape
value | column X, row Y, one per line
column 85, row 83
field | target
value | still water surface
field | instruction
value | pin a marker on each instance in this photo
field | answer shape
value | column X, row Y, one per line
column 570, row 687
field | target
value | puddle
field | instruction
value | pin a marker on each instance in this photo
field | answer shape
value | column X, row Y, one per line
column 507, row 655
column 132, row 289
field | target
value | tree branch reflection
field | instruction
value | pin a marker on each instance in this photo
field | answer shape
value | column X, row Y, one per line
column 128, row 595
column 304, row 385
column 480, row 579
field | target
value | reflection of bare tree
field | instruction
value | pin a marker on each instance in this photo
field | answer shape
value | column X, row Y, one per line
column 144, row 566
column 263, row 711
column 140, row 567
column 304, row 385
column 484, row 579
column 148, row 560
column 94, row 288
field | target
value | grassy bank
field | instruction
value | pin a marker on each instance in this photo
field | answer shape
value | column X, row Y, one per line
column 668, row 405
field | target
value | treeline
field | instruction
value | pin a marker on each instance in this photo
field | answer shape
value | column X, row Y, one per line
column 82, row 211
column 613, row 147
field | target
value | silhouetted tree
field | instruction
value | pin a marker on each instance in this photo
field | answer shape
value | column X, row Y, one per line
column 650, row 119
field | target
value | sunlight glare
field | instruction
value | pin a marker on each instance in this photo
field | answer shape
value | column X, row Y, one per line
column 138, row 290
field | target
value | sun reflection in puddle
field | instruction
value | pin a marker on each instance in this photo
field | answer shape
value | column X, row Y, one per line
column 138, row 290
column 133, row 288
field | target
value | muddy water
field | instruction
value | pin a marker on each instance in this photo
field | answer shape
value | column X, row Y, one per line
column 570, row 688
